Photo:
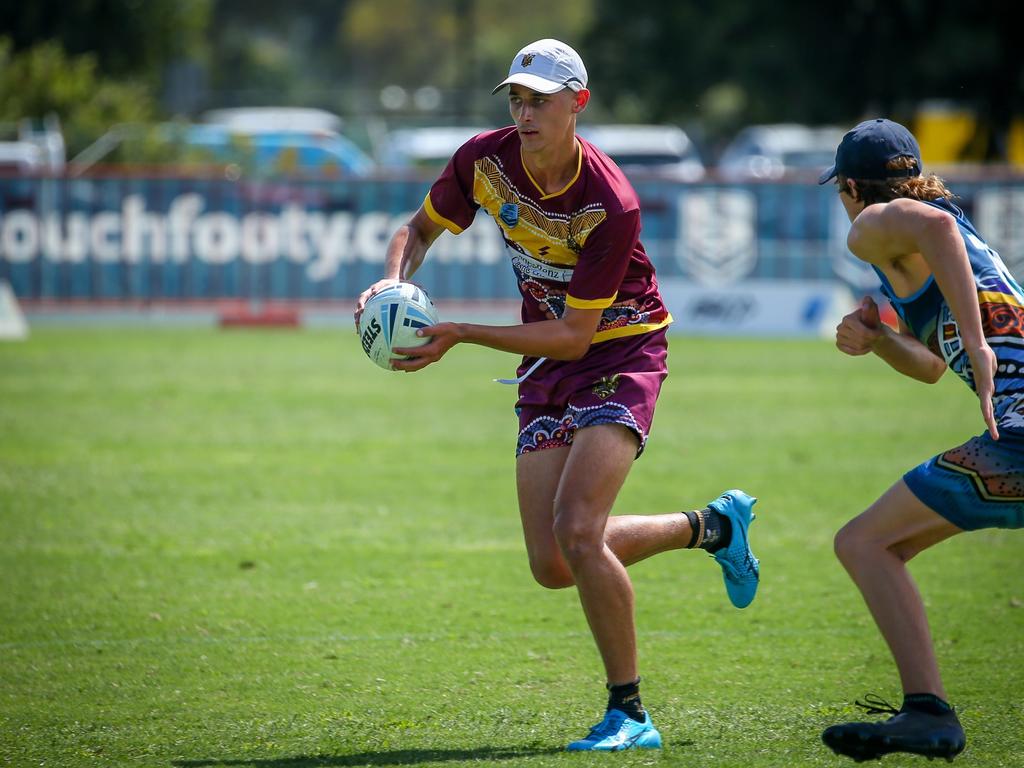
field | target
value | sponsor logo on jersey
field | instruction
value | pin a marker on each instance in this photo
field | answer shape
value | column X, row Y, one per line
column 527, row 266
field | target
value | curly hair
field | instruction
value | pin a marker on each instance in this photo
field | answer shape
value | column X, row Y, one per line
column 928, row 187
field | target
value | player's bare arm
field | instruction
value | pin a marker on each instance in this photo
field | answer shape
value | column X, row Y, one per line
column 567, row 338
column 862, row 331
column 406, row 251
column 909, row 240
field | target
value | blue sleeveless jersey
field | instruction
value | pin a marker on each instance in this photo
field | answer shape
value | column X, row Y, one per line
column 1001, row 300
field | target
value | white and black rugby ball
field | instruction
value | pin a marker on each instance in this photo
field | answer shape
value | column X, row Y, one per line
column 391, row 318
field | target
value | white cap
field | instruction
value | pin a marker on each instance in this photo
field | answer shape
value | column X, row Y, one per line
column 546, row 66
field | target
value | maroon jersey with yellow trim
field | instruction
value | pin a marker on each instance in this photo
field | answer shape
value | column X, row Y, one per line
column 577, row 247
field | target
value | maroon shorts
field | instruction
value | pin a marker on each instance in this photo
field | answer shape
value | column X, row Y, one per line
column 616, row 382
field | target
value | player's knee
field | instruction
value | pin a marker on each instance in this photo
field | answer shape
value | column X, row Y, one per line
column 551, row 574
column 850, row 546
column 576, row 538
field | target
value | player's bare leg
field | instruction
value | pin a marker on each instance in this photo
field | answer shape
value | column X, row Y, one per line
column 636, row 537
column 721, row 529
column 560, row 543
column 597, row 465
column 874, row 548
column 537, row 476
column 631, row 537
column 557, row 493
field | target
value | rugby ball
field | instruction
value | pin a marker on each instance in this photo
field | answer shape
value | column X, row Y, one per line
column 391, row 318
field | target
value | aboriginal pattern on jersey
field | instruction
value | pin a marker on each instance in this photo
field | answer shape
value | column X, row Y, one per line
column 552, row 300
column 1002, row 320
column 545, row 247
column 1012, row 416
column 548, row 237
column 1001, row 302
column 556, row 432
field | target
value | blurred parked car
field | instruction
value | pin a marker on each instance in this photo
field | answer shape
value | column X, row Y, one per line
column 265, row 119
column 279, row 152
column 425, row 148
column 773, row 151
column 256, row 152
column 31, row 146
column 20, row 157
column 660, row 150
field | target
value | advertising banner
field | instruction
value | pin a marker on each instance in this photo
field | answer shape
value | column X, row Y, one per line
column 126, row 239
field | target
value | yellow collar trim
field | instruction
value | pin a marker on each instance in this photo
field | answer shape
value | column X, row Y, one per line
column 579, row 167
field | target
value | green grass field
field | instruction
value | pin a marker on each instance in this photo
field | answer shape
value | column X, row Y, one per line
column 257, row 549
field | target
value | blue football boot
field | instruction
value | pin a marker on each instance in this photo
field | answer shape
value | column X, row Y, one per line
column 740, row 569
column 619, row 731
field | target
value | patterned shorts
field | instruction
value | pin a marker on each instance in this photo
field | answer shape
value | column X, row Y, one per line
column 979, row 484
column 616, row 382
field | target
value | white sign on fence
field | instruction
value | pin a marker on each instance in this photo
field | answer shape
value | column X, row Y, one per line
column 758, row 307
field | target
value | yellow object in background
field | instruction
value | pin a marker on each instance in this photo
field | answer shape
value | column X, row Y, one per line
column 1015, row 143
column 947, row 135
column 944, row 131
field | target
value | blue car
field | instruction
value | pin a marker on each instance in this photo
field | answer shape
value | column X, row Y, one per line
column 276, row 153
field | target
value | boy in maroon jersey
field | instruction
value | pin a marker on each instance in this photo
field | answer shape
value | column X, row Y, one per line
column 594, row 350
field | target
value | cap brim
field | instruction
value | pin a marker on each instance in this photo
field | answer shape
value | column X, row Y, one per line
column 533, row 82
column 827, row 176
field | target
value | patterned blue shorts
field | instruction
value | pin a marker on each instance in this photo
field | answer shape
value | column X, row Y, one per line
column 979, row 484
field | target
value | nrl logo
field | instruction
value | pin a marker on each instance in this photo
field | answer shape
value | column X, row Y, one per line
column 509, row 213
column 527, row 60
column 717, row 243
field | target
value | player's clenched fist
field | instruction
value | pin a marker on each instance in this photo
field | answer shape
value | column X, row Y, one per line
column 859, row 330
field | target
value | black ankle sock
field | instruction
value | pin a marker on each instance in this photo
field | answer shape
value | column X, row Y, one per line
column 716, row 529
column 626, row 698
column 928, row 703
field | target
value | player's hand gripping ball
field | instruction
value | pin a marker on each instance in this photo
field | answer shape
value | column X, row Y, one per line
column 391, row 318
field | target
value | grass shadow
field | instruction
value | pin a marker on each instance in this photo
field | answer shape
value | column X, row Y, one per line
column 392, row 757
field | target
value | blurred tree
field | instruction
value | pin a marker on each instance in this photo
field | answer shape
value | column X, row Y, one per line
column 335, row 54
column 733, row 62
column 43, row 80
column 461, row 47
column 265, row 52
column 126, row 38
column 716, row 64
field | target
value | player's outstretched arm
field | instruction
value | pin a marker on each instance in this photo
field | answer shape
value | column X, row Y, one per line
column 567, row 338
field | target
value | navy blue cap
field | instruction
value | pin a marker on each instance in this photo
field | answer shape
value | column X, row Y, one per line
column 865, row 150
